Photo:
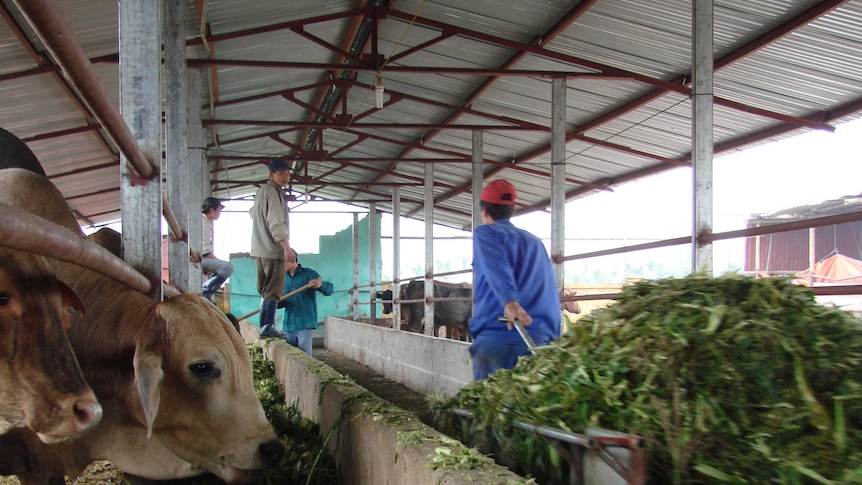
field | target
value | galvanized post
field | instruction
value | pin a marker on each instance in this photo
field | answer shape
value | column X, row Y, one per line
column 372, row 262
column 176, row 139
column 702, row 133
column 478, row 182
column 355, row 291
column 141, row 211
column 558, row 177
column 429, row 249
column 478, row 175
column 396, row 255
column 197, row 181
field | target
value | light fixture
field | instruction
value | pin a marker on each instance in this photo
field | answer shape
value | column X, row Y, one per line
column 378, row 94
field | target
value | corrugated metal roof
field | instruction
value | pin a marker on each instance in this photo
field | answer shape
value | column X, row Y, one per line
column 781, row 66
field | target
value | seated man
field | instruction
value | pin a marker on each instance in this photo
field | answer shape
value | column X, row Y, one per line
column 218, row 269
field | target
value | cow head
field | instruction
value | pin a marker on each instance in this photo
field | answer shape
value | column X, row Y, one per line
column 571, row 306
column 385, row 295
column 194, row 379
column 41, row 385
column 108, row 239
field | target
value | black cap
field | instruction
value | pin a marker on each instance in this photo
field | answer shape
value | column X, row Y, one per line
column 211, row 203
column 278, row 165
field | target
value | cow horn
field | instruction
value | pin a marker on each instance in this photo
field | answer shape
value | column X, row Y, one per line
column 30, row 233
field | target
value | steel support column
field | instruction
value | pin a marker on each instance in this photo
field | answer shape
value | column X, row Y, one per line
column 141, row 110
column 478, row 175
column 372, row 261
column 429, row 249
column 176, row 140
column 199, row 184
column 702, row 133
column 396, row 255
column 355, row 294
column 558, row 178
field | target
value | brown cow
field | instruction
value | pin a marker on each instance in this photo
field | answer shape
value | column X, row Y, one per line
column 41, row 385
column 174, row 379
column 571, row 306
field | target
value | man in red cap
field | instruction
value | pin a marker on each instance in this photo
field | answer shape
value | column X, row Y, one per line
column 512, row 277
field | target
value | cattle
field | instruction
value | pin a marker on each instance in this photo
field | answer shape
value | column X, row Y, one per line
column 41, row 386
column 453, row 315
column 112, row 241
column 174, row 379
column 570, row 306
column 15, row 153
column 386, row 296
column 108, row 239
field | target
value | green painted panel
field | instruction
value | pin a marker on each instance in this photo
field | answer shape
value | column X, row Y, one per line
column 334, row 263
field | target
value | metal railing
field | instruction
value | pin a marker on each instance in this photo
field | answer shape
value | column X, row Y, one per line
column 573, row 447
column 702, row 238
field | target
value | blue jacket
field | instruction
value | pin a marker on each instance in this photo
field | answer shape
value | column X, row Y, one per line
column 510, row 264
column 301, row 309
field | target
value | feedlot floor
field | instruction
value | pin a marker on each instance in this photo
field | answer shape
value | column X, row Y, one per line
column 104, row 473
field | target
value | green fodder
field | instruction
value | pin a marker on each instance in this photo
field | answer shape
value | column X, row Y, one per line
column 730, row 380
column 306, row 459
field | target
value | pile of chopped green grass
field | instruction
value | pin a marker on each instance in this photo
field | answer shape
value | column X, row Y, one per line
column 730, row 380
column 306, row 459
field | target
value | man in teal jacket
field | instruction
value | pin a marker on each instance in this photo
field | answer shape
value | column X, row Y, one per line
column 300, row 315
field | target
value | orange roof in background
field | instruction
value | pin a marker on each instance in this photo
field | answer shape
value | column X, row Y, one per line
column 834, row 270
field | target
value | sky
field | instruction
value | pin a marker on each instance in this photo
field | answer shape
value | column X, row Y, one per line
column 807, row 169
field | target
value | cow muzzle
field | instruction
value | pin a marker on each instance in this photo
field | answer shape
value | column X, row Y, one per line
column 268, row 454
column 81, row 414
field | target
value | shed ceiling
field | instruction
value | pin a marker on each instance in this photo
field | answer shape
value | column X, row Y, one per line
column 296, row 79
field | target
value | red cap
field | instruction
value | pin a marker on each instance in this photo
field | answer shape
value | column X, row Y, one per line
column 500, row 192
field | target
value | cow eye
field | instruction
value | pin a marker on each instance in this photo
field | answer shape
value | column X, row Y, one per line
column 4, row 299
column 205, row 370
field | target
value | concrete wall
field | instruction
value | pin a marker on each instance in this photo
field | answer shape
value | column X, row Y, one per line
column 428, row 365
column 377, row 442
column 373, row 441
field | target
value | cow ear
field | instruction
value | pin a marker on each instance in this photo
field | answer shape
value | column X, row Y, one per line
column 148, row 367
column 70, row 298
column 148, row 378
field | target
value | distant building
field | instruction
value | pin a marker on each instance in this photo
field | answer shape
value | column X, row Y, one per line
column 788, row 253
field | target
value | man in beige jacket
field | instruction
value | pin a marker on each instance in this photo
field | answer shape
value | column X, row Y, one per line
column 270, row 246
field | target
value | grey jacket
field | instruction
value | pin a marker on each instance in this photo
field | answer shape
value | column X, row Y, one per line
column 269, row 222
column 206, row 235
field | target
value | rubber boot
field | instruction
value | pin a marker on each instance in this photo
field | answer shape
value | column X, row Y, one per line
column 267, row 319
column 210, row 286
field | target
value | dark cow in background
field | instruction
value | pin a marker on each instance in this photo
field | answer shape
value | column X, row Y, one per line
column 386, row 296
column 14, row 153
column 453, row 315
